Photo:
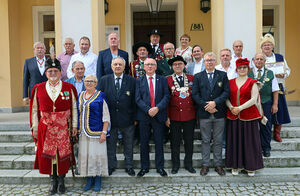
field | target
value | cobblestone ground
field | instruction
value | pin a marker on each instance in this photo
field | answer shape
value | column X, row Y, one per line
column 289, row 188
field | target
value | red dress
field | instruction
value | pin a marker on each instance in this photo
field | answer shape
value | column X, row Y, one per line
column 53, row 129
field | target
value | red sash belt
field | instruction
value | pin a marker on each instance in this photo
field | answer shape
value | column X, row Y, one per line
column 57, row 134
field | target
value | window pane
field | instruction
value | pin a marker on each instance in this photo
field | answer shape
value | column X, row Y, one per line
column 268, row 17
column 48, row 23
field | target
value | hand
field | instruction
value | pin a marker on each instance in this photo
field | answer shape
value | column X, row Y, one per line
column 153, row 111
column 35, row 134
column 279, row 75
column 167, row 123
column 74, row 132
column 210, row 105
column 235, row 110
column 214, row 110
column 26, row 101
column 102, row 137
column 274, row 109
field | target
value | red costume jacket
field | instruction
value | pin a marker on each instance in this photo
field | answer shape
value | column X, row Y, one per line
column 179, row 108
column 53, row 116
column 240, row 97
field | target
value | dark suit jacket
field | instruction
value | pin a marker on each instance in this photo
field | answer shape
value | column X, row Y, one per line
column 104, row 62
column 31, row 76
column 142, row 98
column 201, row 93
column 121, row 105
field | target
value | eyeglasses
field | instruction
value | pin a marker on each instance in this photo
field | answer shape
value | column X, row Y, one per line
column 177, row 64
column 265, row 45
column 52, row 71
column 169, row 48
column 150, row 64
column 242, row 67
column 90, row 81
column 210, row 60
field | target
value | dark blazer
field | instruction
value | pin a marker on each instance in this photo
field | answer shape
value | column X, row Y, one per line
column 142, row 98
column 121, row 105
column 201, row 93
column 31, row 76
column 104, row 62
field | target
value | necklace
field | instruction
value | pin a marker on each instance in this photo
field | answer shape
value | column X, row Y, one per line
column 183, row 91
column 85, row 94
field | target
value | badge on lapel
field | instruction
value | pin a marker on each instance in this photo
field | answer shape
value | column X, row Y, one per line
column 65, row 95
column 220, row 84
column 128, row 93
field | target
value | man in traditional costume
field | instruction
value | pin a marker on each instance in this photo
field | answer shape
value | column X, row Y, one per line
column 141, row 50
column 53, row 112
column 181, row 114
column 157, row 48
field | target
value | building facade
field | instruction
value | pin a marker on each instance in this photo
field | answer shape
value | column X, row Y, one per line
column 24, row 22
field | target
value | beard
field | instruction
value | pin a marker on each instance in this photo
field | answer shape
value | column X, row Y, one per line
column 53, row 79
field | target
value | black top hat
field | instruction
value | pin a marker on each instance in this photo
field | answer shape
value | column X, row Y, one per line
column 176, row 58
column 155, row 31
column 52, row 64
column 136, row 46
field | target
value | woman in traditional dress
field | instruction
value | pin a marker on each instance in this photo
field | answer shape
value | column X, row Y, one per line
column 243, row 148
column 282, row 116
column 185, row 50
column 93, row 125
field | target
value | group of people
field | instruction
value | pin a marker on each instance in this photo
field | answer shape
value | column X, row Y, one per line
column 162, row 92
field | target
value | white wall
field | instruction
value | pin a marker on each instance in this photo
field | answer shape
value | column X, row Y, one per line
column 240, row 24
column 76, row 20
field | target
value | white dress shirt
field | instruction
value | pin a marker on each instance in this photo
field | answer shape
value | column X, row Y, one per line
column 42, row 65
column 275, row 86
column 198, row 66
column 120, row 81
column 234, row 58
column 231, row 72
column 156, row 47
column 89, row 60
column 153, row 82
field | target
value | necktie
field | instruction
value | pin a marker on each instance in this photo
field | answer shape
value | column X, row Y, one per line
column 259, row 74
column 180, row 81
column 210, row 79
column 153, row 49
column 151, row 92
column 118, row 85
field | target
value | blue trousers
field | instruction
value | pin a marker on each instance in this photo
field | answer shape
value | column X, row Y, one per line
column 266, row 130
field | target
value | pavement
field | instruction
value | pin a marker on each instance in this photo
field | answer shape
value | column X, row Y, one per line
column 288, row 188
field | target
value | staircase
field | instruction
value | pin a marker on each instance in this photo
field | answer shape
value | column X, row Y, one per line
column 17, row 159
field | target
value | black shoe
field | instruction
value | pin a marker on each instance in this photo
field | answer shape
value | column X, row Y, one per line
column 110, row 171
column 166, row 140
column 162, row 172
column 266, row 153
column 190, row 169
column 174, row 170
column 142, row 172
column 54, row 185
column 61, row 184
column 130, row 172
column 204, row 171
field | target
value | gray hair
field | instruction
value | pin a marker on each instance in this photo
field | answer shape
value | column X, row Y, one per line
column 169, row 43
column 115, row 34
column 75, row 62
column 118, row 57
column 238, row 41
column 210, row 54
column 92, row 77
column 261, row 54
column 72, row 40
column 38, row 42
column 225, row 49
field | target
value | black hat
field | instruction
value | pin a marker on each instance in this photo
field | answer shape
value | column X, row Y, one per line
column 136, row 46
column 155, row 31
column 52, row 64
column 176, row 58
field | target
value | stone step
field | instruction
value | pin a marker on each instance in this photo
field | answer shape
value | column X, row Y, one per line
column 277, row 159
column 120, row 177
column 17, row 148
column 25, row 136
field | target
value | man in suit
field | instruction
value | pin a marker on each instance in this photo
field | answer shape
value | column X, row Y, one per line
column 105, row 57
column 34, row 69
column 119, row 89
column 152, row 97
column 198, row 64
column 210, row 91
column 78, row 78
column 157, row 48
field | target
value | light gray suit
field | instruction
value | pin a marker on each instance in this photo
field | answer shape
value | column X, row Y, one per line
column 190, row 67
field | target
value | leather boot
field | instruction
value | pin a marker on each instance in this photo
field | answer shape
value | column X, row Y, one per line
column 54, row 182
column 61, row 184
column 97, row 186
column 276, row 133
